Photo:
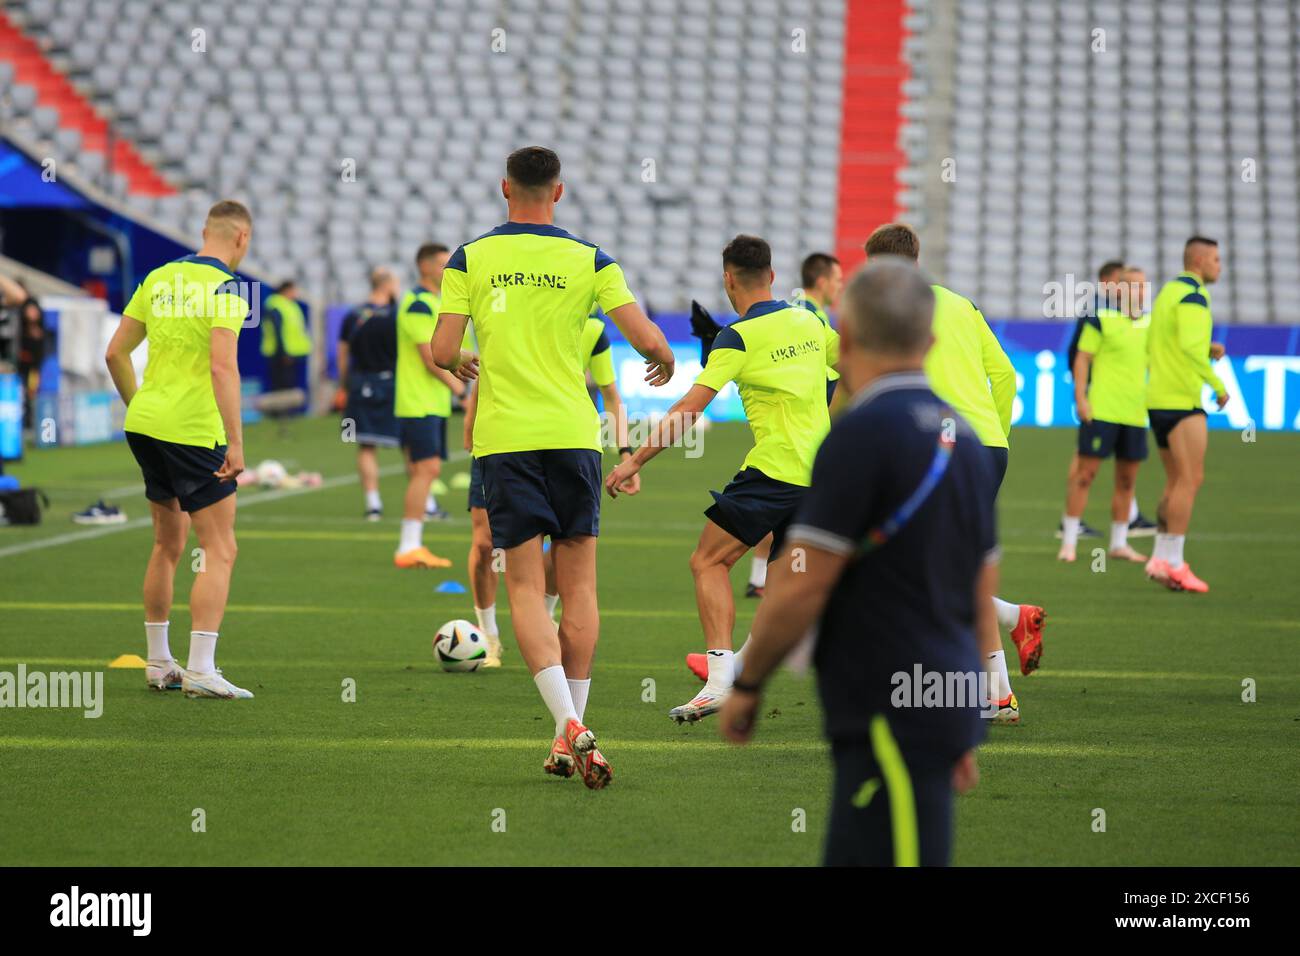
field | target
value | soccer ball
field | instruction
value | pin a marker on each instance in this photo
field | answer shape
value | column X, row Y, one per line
column 271, row 474
column 459, row 646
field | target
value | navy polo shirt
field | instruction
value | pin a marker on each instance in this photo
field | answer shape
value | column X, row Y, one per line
column 907, row 600
column 371, row 334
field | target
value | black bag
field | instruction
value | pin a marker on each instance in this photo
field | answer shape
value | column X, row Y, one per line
column 22, row 506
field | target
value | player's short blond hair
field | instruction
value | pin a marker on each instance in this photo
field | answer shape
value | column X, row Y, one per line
column 894, row 239
column 228, row 216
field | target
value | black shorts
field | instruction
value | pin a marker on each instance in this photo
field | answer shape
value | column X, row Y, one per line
column 1098, row 439
column 183, row 472
column 552, row 492
column 370, row 406
column 423, row 437
column 870, row 808
column 1000, row 457
column 752, row 506
column 476, row 497
column 1163, row 421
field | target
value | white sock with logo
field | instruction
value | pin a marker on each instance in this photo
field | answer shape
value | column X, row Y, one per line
column 758, row 571
column 1175, row 546
column 373, row 501
column 554, row 688
column 1069, row 531
column 722, row 671
column 487, row 619
column 995, row 665
column 203, row 652
column 412, row 535
column 1008, row 614
column 156, row 636
column 578, row 690
column 1118, row 535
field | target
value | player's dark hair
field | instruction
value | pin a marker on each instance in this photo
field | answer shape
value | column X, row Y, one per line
column 285, row 286
column 1109, row 268
column 1199, row 241
column 817, row 265
column 533, row 167
column 749, row 258
column 428, row 251
column 230, row 209
column 894, row 239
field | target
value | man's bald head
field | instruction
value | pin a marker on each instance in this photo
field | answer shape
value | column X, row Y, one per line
column 887, row 309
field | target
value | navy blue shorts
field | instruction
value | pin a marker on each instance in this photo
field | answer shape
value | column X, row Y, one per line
column 424, row 437
column 1163, row 421
column 183, row 472
column 752, row 506
column 370, row 406
column 864, row 806
column 1000, row 458
column 554, row 492
column 476, row 497
column 1098, row 439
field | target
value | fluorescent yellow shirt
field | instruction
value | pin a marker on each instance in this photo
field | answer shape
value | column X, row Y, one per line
column 419, row 392
column 1117, row 389
column 777, row 354
column 1178, row 346
column 968, row 369
column 529, row 290
column 832, row 373
column 180, row 304
column 595, row 345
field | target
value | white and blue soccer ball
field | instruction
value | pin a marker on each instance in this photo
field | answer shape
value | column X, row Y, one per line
column 459, row 646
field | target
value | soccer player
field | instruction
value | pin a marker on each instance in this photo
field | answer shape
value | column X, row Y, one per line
column 422, row 405
column 822, row 277
column 482, row 574
column 968, row 369
column 1109, row 279
column 1110, row 374
column 897, row 530
column 285, row 342
column 528, row 286
column 1179, row 352
column 777, row 355
column 183, row 427
column 367, row 360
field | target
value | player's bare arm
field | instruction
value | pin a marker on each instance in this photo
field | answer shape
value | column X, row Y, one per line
column 126, row 339
column 790, row 606
column 669, row 428
column 614, row 407
column 446, row 350
column 1081, row 371
column 648, row 340
column 225, row 388
column 451, row 380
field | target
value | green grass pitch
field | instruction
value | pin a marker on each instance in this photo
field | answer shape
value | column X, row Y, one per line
column 1137, row 711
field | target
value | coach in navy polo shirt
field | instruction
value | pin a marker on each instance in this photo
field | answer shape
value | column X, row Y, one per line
column 897, row 548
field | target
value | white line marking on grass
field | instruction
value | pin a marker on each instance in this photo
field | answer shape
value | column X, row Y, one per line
column 246, row 500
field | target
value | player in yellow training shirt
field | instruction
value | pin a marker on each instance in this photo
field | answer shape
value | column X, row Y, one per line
column 529, row 286
column 968, row 369
column 183, row 426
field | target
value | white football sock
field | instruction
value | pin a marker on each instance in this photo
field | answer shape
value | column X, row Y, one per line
column 203, row 652
column 430, row 504
column 995, row 665
column 373, row 501
column 578, row 690
column 156, row 635
column 758, row 571
column 412, row 535
column 552, row 600
column 487, row 619
column 1118, row 535
column 1175, row 558
column 554, row 688
column 738, row 659
column 1008, row 614
column 1162, row 547
column 1069, row 531
column 722, row 672
column 1133, row 510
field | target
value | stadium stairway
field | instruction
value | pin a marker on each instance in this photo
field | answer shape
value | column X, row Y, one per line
column 66, row 109
column 870, row 153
